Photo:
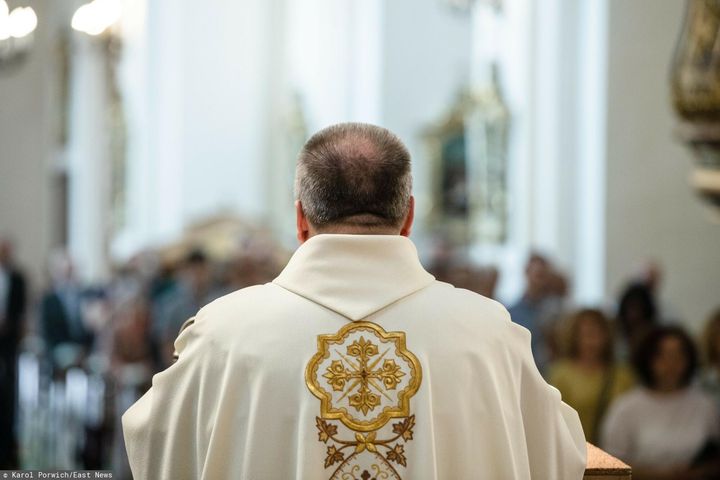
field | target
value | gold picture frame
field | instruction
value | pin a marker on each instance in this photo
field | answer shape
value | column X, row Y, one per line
column 468, row 151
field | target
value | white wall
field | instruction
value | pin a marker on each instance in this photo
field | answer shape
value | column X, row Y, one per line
column 425, row 61
column 208, row 96
column 200, row 87
column 552, row 65
column 650, row 209
column 201, row 124
column 88, row 158
column 563, row 198
column 27, row 133
column 331, row 64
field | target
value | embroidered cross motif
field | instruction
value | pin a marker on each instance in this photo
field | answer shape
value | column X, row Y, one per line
column 364, row 377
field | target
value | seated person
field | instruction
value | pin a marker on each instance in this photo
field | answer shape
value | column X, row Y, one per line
column 588, row 377
column 666, row 428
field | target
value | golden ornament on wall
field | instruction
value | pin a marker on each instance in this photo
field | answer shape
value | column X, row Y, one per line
column 695, row 79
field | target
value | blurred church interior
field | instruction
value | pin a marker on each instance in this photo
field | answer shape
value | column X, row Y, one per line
column 565, row 162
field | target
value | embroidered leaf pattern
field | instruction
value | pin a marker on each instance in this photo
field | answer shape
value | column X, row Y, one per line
column 364, row 400
column 364, row 442
column 405, row 428
column 333, row 456
column 325, row 430
column 391, row 374
column 337, row 375
column 362, row 349
column 397, row 455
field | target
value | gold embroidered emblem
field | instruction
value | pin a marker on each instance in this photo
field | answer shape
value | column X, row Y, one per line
column 364, row 377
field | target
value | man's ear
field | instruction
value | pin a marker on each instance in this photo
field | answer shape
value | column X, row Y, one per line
column 407, row 224
column 303, row 228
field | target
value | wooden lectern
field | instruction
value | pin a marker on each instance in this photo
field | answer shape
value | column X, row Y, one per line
column 603, row 466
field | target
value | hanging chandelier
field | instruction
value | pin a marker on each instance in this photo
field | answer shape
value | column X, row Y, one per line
column 16, row 28
column 96, row 17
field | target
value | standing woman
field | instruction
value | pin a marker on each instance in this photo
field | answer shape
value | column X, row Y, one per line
column 588, row 378
column 666, row 428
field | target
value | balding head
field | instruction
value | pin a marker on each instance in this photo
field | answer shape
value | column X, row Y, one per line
column 354, row 175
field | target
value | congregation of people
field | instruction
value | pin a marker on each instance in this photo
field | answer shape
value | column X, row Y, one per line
column 76, row 356
column 646, row 390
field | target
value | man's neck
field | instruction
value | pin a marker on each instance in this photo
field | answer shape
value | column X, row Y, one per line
column 356, row 230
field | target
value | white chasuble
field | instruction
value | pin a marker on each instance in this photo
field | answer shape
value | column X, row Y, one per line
column 353, row 364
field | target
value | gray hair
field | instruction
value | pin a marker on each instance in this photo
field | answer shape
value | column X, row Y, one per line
column 354, row 174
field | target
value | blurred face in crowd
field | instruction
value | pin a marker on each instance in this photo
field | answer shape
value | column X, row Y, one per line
column 538, row 277
column 637, row 314
column 557, row 284
column 199, row 274
column 5, row 252
column 62, row 269
column 669, row 364
column 592, row 339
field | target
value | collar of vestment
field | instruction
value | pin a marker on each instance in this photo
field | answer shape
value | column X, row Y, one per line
column 355, row 275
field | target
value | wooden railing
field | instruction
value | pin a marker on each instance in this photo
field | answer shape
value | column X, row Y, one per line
column 603, row 466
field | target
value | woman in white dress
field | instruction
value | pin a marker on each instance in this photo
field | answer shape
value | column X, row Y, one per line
column 666, row 428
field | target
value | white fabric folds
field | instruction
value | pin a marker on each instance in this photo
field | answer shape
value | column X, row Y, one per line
column 354, row 363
